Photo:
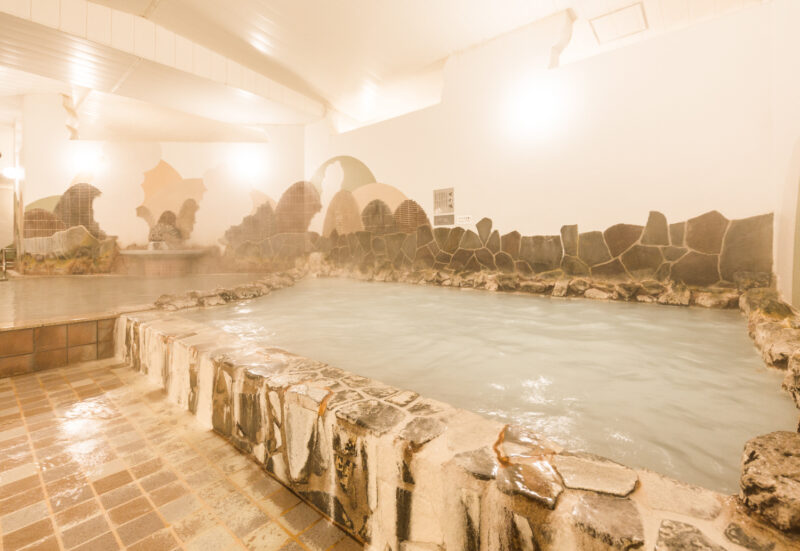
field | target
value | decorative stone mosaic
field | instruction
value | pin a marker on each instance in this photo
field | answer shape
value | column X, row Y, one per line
column 67, row 240
column 402, row 472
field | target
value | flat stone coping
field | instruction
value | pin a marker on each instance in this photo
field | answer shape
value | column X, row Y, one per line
column 308, row 411
column 318, row 429
column 61, row 320
column 164, row 252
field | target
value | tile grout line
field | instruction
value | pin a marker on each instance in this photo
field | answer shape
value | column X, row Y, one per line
column 88, row 480
column 124, row 383
column 233, row 483
column 180, row 477
column 138, row 485
column 227, row 478
column 226, row 443
column 37, row 466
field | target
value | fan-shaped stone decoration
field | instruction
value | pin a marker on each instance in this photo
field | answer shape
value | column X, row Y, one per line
column 41, row 223
column 254, row 228
column 343, row 214
column 409, row 216
column 165, row 193
column 75, row 208
column 296, row 208
column 377, row 217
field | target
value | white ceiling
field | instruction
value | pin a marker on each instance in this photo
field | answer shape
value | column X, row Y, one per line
column 106, row 116
column 337, row 50
column 333, row 51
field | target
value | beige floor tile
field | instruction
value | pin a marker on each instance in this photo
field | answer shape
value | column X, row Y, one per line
column 99, row 449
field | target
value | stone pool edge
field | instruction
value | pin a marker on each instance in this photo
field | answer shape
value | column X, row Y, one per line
column 339, row 440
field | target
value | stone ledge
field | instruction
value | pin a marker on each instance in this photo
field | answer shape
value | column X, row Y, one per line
column 402, row 476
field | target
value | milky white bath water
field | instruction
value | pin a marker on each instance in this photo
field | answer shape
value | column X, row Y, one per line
column 671, row 389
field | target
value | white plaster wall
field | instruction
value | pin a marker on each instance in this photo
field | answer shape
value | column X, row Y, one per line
column 6, row 186
column 230, row 171
column 682, row 123
column 785, row 65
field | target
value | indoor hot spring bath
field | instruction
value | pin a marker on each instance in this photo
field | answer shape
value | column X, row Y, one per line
column 675, row 390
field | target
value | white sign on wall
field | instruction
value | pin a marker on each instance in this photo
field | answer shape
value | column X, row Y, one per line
column 443, row 207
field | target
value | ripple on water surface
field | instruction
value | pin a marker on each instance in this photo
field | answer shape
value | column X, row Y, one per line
column 675, row 390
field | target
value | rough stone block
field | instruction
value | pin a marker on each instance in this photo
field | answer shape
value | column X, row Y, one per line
column 510, row 244
column 542, row 252
column 613, row 270
column 770, row 480
column 582, row 471
column 704, row 233
column 696, row 269
column 592, row 248
column 747, row 247
column 470, row 241
column 484, row 227
column 614, row 521
column 679, row 536
column 656, row 231
column 620, row 237
column 642, row 261
column 569, row 238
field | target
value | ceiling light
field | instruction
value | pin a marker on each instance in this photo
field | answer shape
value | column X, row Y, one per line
column 14, row 173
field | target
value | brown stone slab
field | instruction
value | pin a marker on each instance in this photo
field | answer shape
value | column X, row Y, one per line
column 13, row 343
column 105, row 330
column 50, row 337
column 84, row 353
column 81, row 333
column 50, row 358
column 105, row 350
column 16, row 365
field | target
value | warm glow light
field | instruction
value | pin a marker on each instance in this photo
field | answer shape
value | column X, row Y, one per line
column 14, row 173
column 366, row 101
column 247, row 162
column 262, row 44
column 86, row 157
column 536, row 109
column 81, row 70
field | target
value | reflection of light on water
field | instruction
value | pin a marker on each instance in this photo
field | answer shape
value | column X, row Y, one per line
column 82, row 448
column 621, row 437
column 82, row 418
column 536, row 388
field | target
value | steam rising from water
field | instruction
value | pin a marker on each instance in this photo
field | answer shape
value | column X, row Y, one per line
column 675, row 390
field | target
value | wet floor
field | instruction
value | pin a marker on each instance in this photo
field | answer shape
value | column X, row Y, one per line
column 31, row 299
column 92, row 457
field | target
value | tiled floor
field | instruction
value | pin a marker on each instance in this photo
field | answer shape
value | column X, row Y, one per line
column 92, row 457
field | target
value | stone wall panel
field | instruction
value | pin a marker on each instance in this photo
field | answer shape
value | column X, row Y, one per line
column 656, row 231
column 592, row 248
column 696, row 269
column 642, row 261
column 620, row 237
column 542, row 252
column 704, row 233
column 747, row 247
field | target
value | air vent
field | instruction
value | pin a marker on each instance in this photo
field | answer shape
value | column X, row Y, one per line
column 619, row 23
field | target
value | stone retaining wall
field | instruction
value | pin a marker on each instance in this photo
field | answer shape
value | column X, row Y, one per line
column 405, row 473
column 706, row 251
